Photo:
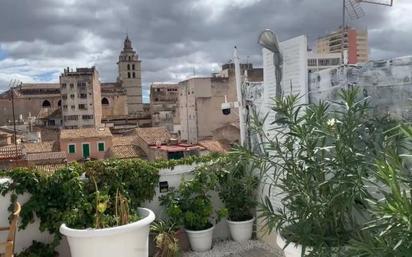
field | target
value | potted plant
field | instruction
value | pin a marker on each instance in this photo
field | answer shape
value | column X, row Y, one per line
column 120, row 226
column 237, row 185
column 166, row 241
column 315, row 163
column 190, row 206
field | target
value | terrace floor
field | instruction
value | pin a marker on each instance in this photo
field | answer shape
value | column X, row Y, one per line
column 250, row 248
column 255, row 252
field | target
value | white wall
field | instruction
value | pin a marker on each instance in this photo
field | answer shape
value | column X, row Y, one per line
column 294, row 81
column 25, row 237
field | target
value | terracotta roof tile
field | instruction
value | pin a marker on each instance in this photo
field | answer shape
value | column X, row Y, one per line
column 9, row 152
column 126, row 152
column 123, row 140
column 42, row 147
column 48, row 157
column 153, row 135
column 214, row 146
column 85, row 133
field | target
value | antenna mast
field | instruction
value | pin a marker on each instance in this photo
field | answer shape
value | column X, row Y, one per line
column 355, row 11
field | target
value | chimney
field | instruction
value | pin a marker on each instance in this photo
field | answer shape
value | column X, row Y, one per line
column 174, row 141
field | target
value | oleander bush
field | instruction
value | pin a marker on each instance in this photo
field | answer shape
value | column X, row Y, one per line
column 389, row 229
column 317, row 157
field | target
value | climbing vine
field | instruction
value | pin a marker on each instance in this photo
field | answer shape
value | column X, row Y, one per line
column 69, row 194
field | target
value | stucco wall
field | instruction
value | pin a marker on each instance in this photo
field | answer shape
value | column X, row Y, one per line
column 94, row 153
column 117, row 105
column 24, row 106
column 387, row 83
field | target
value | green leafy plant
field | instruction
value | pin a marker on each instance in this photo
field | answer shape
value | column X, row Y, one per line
column 389, row 231
column 190, row 205
column 166, row 241
column 316, row 162
column 109, row 195
column 38, row 249
column 236, row 185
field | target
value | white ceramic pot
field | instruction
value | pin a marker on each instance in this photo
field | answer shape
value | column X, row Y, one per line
column 131, row 240
column 200, row 240
column 241, row 230
column 292, row 250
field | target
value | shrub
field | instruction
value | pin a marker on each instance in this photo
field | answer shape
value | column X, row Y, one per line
column 190, row 205
column 236, row 185
column 317, row 159
column 389, row 231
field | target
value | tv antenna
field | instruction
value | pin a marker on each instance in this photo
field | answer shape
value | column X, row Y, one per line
column 354, row 10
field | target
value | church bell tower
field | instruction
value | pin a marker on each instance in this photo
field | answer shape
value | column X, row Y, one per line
column 130, row 77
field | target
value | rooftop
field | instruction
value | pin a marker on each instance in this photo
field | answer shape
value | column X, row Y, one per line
column 9, row 152
column 153, row 136
column 127, row 152
column 47, row 157
column 85, row 133
column 123, row 140
column 178, row 148
column 42, row 147
column 214, row 146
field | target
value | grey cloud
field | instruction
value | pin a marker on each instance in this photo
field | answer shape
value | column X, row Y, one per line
column 171, row 37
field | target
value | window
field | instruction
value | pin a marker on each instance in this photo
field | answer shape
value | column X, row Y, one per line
column 128, row 67
column 81, row 85
column 133, row 67
column 71, row 85
column 73, row 107
column 175, row 155
column 72, row 148
column 87, row 117
column 82, row 107
column 100, row 146
column 59, row 103
column 105, row 101
column 134, row 75
column 71, row 117
column 65, row 107
column 46, row 104
column 72, row 96
column 83, row 96
column 128, row 75
column 64, row 97
column 64, row 85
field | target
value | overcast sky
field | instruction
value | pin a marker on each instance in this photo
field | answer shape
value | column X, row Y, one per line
column 174, row 38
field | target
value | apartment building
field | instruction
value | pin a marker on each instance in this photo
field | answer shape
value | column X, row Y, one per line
column 355, row 43
column 200, row 100
column 163, row 105
column 317, row 62
column 80, row 98
column 85, row 143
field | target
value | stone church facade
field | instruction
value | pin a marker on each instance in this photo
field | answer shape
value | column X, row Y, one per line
column 122, row 98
